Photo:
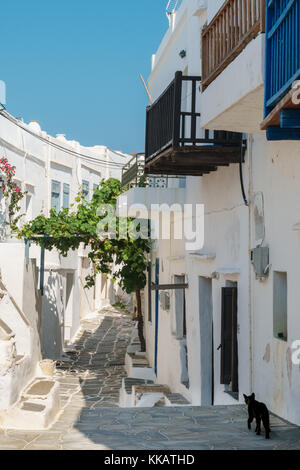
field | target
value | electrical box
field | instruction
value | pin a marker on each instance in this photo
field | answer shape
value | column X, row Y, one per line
column 164, row 298
column 260, row 261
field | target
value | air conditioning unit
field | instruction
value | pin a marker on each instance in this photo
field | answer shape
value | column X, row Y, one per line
column 260, row 261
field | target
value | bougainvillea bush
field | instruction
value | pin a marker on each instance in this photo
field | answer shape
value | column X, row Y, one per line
column 11, row 192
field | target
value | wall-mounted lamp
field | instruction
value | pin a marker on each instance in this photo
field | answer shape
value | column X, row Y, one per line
column 182, row 54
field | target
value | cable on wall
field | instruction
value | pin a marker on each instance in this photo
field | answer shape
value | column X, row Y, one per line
column 88, row 158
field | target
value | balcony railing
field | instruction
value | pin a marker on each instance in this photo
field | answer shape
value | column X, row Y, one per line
column 133, row 175
column 133, row 171
column 282, row 49
column 234, row 26
column 173, row 122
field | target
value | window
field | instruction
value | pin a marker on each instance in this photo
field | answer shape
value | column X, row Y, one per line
column 95, row 186
column 55, row 195
column 66, row 196
column 280, row 305
column 28, row 206
column 180, row 320
column 86, row 189
column 182, row 182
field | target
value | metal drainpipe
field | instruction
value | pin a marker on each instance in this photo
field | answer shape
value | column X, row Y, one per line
column 250, row 191
column 156, row 315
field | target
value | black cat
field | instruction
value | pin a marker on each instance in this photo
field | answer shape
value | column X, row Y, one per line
column 260, row 412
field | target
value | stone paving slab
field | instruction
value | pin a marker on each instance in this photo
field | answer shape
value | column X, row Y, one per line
column 92, row 420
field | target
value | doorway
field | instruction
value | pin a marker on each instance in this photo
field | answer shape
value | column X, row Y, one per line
column 229, row 340
column 181, row 330
column 68, row 317
column 206, row 341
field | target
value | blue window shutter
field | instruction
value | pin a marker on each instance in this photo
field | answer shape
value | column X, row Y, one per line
column 66, row 196
column 55, row 195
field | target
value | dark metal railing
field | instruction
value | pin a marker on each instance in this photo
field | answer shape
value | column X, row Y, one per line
column 173, row 121
column 282, row 49
column 133, row 175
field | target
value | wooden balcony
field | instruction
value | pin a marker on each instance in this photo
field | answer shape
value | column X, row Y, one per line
column 282, row 91
column 234, row 26
column 175, row 142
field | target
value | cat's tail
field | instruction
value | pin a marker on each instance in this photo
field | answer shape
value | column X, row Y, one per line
column 267, row 422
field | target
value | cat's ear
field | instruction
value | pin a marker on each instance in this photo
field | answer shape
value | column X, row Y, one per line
column 246, row 398
column 253, row 396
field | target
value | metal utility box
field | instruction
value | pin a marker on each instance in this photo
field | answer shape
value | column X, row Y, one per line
column 164, row 298
column 260, row 261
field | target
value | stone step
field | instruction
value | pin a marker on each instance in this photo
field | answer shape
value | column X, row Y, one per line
column 146, row 394
column 37, row 408
column 128, row 383
column 137, row 366
column 176, row 399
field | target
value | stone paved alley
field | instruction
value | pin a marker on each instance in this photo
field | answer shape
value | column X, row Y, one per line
column 92, row 420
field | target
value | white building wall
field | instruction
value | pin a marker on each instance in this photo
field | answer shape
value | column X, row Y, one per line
column 276, row 379
column 213, row 6
column 226, row 238
column 54, row 318
column 264, row 361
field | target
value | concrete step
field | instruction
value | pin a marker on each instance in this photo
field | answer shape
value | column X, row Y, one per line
column 137, row 366
column 37, row 408
column 126, row 390
column 176, row 399
column 142, row 393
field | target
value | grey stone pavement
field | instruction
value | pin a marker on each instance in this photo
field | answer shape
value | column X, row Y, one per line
column 92, row 420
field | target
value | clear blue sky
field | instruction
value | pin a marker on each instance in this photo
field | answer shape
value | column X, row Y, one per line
column 74, row 66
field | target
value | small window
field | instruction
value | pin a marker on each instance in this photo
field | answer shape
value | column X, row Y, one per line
column 66, row 196
column 86, row 189
column 28, row 207
column 280, row 305
column 182, row 182
column 55, row 195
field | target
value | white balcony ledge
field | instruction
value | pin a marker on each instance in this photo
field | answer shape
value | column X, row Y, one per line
column 234, row 101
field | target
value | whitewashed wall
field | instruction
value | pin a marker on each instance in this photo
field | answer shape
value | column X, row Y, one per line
column 276, row 380
column 55, row 317
column 213, row 7
column 226, row 236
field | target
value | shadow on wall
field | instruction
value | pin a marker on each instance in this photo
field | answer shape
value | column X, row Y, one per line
column 86, row 297
column 52, row 319
column 32, row 300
